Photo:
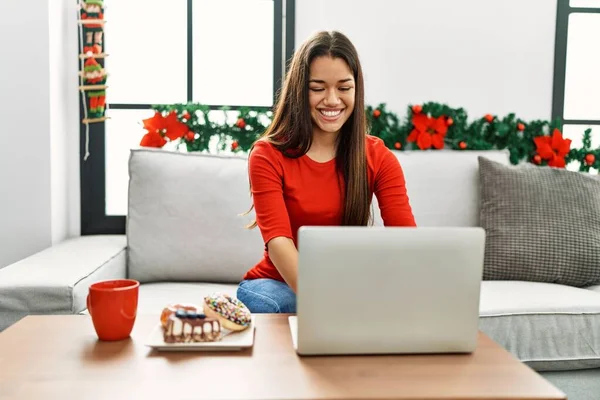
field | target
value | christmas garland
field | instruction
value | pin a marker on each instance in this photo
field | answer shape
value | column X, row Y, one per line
column 430, row 126
column 191, row 125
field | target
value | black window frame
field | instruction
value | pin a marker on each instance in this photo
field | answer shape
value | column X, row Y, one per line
column 94, row 220
column 560, row 62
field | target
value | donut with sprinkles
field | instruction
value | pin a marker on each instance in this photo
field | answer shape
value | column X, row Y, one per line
column 231, row 312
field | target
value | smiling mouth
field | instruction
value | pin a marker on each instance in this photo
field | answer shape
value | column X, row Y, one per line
column 330, row 113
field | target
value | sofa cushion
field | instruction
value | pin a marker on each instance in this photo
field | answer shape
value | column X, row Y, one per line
column 542, row 224
column 550, row 327
column 56, row 280
column 443, row 185
column 153, row 297
column 595, row 288
column 183, row 218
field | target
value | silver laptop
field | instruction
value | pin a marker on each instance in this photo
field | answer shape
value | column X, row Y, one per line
column 387, row 290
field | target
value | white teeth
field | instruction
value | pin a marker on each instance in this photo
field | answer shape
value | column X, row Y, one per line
column 331, row 113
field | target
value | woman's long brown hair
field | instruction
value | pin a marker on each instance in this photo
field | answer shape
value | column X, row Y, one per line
column 291, row 128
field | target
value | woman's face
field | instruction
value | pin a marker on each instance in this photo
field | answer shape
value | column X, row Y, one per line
column 330, row 93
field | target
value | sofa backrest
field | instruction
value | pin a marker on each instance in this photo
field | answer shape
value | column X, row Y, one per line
column 183, row 219
column 443, row 185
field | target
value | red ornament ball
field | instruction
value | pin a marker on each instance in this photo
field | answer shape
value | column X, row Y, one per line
column 417, row 109
column 489, row 118
column 398, row 145
column 190, row 136
column 520, row 127
column 241, row 123
column 376, row 113
column 537, row 159
column 449, row 121
column 235, row 145
column 462, row 145
column 590, row 159
column 186, row 115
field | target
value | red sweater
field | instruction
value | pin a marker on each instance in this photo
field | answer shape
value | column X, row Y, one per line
column 289, row 193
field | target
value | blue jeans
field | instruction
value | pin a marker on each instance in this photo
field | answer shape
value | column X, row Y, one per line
column 267, row 296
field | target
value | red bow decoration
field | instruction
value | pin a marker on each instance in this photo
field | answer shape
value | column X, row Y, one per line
column 428, row 131
column 553, row 149
column 159, row 127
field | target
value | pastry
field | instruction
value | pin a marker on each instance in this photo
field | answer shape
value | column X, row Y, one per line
column 230, row 312
column 190, row 327
column 172, row 309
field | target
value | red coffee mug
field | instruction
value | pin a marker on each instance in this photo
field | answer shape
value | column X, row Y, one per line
column 113, row 307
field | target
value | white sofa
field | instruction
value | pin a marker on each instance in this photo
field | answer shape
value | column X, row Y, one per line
column 185, row 238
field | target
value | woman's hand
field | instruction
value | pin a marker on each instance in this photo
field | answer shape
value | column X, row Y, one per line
column 284, row 255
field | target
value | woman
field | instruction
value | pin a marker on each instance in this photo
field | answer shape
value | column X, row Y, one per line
column 315, row 165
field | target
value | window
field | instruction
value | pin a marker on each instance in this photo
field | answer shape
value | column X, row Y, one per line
column 215, row 52
column 576, row 79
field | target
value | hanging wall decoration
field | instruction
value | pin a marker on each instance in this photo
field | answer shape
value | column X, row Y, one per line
column 92, row 73
column 92, row 18
column 94, row 78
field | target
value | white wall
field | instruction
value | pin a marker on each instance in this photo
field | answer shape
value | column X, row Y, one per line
column 485, row 56
column 64, row 125
column 25, row 116
column 38, row 160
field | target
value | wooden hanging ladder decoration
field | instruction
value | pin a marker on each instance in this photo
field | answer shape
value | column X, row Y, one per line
column 92, row 74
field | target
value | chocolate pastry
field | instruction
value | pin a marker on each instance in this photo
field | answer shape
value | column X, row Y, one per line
column 189, row 327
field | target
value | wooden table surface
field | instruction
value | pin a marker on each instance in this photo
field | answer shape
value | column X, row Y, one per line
column 59, row 357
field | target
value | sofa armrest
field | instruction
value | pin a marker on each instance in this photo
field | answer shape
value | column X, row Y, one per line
column 56, row 280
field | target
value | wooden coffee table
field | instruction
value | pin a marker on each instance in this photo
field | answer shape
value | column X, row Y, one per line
column 59, row 357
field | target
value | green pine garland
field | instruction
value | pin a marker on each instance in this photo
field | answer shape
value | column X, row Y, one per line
column 486, row 133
